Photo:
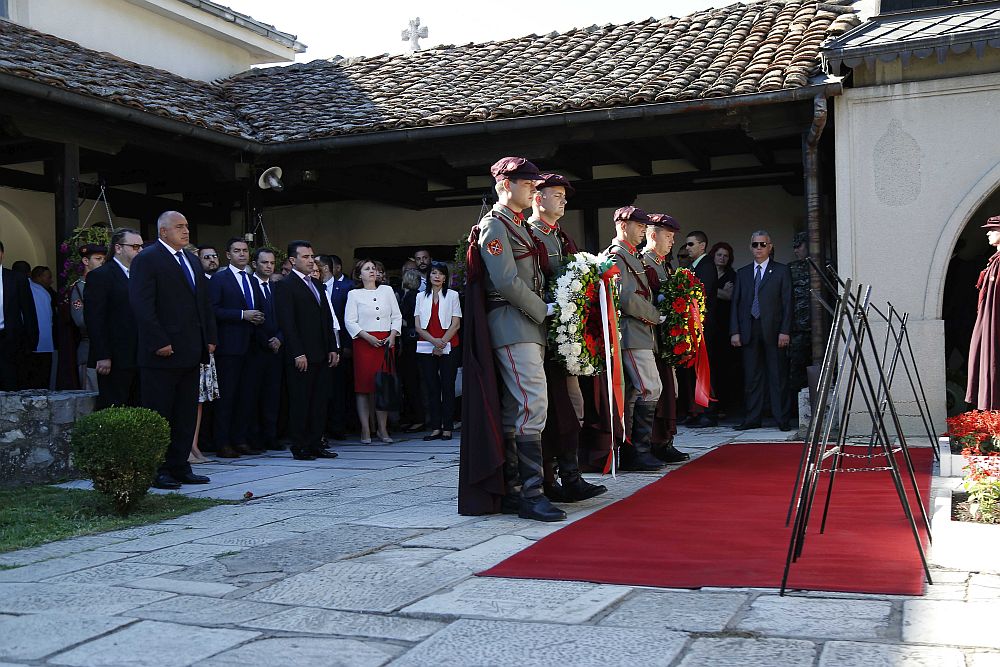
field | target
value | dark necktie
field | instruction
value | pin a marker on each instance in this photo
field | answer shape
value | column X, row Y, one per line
column 247, row 293
column 312, row 288
column 755, row 306
column 267, row 291
column 184, row 269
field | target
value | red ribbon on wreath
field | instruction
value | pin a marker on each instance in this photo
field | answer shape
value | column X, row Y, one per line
column 703, row 373
column 613, row 357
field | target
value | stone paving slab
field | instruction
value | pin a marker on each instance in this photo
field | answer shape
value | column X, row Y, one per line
column 329, row 622
column 112, row 574
column 185, row 554
column 305, row 652
column 984, row 587
column 951, row 622
column 354, row 586
column 248, row 537
column 486, row 555
column 403, row 557
column 974, row 660
column 73, row 598
column 477, row 642
column 233, row 517
column 748, row 652
column 307, row 523
column 521, row 600
column 468, row 535
column 677, row 610
column 181, row 535
column 154, row 644
column 56, row 566
column 182, row 587
column 34, row 636
column 195, row 610
column 818, row 618
column 858, row 654
column 431, row 515
column 57, row 549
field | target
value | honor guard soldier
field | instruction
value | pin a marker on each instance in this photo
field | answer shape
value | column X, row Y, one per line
column 560, row 440
column 659, row 242
column 639, row 316
column 516, row 312
column 92, row 256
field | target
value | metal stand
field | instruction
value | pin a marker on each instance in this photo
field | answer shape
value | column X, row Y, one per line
column 852, row 328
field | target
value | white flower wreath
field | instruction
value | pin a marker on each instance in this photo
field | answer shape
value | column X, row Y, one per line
column 579, row 349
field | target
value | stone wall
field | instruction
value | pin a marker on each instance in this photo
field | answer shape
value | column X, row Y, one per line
column 35, row 428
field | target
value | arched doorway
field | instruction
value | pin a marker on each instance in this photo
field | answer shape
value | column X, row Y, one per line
column 17, row 240
column 958, row 309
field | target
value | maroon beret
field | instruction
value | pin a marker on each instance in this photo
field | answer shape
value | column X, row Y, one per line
column 993, row 223
column 515, row 168
column 631, row 213
column 551, row 180
column 89, row 249
column 664, row 220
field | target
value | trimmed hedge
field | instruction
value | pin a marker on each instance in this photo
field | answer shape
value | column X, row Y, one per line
column 120, row 450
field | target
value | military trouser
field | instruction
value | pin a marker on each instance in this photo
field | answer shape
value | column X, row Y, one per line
column 524, row 400
column 642, row 379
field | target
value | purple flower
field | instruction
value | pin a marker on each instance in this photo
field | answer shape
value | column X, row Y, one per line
column 64, row 247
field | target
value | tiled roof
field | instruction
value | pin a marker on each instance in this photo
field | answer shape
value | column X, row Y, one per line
column 737, row 50
column 922, row 33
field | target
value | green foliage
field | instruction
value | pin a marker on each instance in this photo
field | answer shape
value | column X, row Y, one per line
column 984, row 498
column 120, row 449
column 72, row 265
column 34, row 515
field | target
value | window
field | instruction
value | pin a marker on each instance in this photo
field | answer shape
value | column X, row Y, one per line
column 4, row 11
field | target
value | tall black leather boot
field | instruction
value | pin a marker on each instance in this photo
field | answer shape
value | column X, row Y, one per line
column 668, row 453
column 552, row 489
column 511, row 502
column 639, row 457
column 574, row 486
column 534, row 504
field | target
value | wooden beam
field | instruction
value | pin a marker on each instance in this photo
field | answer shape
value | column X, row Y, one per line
column 22, row 180
column 631, row 157
column 66, row 184
column 591, row 231
column 683, row 148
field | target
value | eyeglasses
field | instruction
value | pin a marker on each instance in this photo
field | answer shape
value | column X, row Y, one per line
column 689, row 244
column 135, row 246
column 759, row 244
column 210, row 257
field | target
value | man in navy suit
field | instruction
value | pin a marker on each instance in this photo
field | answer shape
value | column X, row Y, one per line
column 111, row 327
column 305, row 319
column 236, row 304
column 761, row 325
column 18, row 324
column 265, row 358
column 176, row 330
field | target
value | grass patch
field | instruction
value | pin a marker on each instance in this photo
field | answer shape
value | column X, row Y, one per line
column 38, row 514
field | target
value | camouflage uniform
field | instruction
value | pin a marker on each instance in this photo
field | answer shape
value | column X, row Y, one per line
column 800, row 347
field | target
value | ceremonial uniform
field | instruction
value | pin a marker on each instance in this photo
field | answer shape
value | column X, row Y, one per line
column 561, row 437
column 514, row 284
column 639, row 317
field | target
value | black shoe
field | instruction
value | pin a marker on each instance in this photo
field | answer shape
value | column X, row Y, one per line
column 670, row 454
column 746, row 426
column 539, row 508
column 705, row 422
column 580, row 489
column 510, row 504
column 432, row 436
column 303, row 456
column 323, row 454
column 785, row 426
column 446, row 435
column 191, row 478
column 640, row 461
column 555, row 493
column 165, row 481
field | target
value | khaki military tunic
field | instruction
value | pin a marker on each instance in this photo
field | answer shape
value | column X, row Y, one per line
column 516, row 314
column 638, row 318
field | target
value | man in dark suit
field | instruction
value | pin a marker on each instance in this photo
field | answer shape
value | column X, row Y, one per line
column 111, row 327
column 265, row 365
column 236, row 304
column 703, row 267
column 305, row 320
column 176, row 333
column 337, row 287
column 18, row 324
column 761, row 324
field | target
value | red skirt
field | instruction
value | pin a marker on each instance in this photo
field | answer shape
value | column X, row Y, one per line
column 368, row 360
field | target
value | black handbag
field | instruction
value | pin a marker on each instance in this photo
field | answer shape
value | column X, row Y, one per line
column 388, row 389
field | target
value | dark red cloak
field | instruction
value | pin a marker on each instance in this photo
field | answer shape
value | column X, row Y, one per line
column 984, row 383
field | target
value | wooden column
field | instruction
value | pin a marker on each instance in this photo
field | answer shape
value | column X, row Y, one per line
column 65, row 185
column 591, row 231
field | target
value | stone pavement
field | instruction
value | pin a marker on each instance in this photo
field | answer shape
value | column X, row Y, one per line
column 363, row 560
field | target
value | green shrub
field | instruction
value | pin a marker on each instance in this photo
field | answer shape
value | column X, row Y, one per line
column 120, row 449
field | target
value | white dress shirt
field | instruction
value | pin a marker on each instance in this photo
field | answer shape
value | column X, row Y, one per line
column 448, row 307
column 372, row 310
column 123, row 267
column 185, row 264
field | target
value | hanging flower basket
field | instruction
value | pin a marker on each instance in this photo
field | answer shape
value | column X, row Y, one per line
column 71, row 269
column 683, row 304
column 575, row 332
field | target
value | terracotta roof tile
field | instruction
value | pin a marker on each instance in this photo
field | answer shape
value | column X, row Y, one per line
column 737, row 50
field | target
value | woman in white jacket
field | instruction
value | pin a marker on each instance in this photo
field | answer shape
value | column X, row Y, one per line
column 438, row 315
column 373, row 320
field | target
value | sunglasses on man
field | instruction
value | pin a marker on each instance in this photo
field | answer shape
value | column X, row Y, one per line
column 759, row 244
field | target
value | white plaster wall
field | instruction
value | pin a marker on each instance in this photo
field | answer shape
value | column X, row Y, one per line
column 914, row 162
column 138, row 34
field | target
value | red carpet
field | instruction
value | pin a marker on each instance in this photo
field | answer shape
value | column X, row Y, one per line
column 720, row 521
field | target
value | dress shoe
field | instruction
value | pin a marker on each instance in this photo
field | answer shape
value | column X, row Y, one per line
column 705, row 422
column 639, row 461
column 555, row 493
column 746, row 426
column 165, row 481
column 227, row 452
column 323, row 454
column 191, row 478
column 785, row 426
column 246, row 449
column 303, row 456
column 539, row 508
column 670, row 454
column 433, row 436
column 578, row 489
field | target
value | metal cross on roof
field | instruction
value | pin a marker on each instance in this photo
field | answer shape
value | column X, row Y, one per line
column 414, row 33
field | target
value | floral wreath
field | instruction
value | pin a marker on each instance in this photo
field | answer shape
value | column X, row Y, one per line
column 683, row 304
column 576, row 330
column 71, row 269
